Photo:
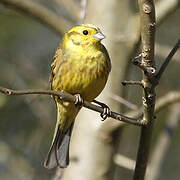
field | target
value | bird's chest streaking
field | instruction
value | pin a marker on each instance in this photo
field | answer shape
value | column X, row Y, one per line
column 81, row 65
column 85, row 73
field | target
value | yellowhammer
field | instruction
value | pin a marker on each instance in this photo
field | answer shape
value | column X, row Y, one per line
column 81, row 65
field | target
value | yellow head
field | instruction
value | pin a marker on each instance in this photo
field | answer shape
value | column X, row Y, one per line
column 84, row 34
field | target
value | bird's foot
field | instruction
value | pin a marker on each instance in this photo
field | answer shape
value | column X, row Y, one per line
column 106, row 110
column 79, row 101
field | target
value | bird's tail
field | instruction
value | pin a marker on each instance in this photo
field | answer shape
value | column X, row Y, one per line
column 58, row 154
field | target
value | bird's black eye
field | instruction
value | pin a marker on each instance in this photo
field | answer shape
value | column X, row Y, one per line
column 85, row 32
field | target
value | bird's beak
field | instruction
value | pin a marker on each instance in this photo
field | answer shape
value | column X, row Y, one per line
column 99, row 35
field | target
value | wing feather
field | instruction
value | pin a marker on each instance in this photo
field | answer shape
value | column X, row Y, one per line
column 55, row 66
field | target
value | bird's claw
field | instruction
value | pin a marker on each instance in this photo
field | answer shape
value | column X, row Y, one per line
column 79, row 101
column 106, row 110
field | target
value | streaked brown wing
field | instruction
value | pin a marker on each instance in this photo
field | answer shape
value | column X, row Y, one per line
column 57, row 59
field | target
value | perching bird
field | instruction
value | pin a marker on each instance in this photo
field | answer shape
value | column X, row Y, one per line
column 81, row 65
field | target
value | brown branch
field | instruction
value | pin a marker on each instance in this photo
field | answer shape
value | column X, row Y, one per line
column 147, row 16
column 44, row 15
column 139, row 83
column 70, row 98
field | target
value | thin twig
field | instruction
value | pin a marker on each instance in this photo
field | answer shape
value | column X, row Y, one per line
column 167, row 60
column 162, row 51
column 139, row 83
column 70, row 98
column 161, row 103
column 44, row 15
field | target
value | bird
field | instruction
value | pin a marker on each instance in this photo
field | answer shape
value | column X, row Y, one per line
column 81, row 66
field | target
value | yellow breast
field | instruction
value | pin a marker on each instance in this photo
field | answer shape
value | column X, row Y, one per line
column 82, row 70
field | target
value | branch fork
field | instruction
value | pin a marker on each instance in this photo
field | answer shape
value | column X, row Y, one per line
column 148, row 70
column 151, row 71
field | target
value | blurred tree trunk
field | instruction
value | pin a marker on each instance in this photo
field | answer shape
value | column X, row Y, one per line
column 91, row 147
